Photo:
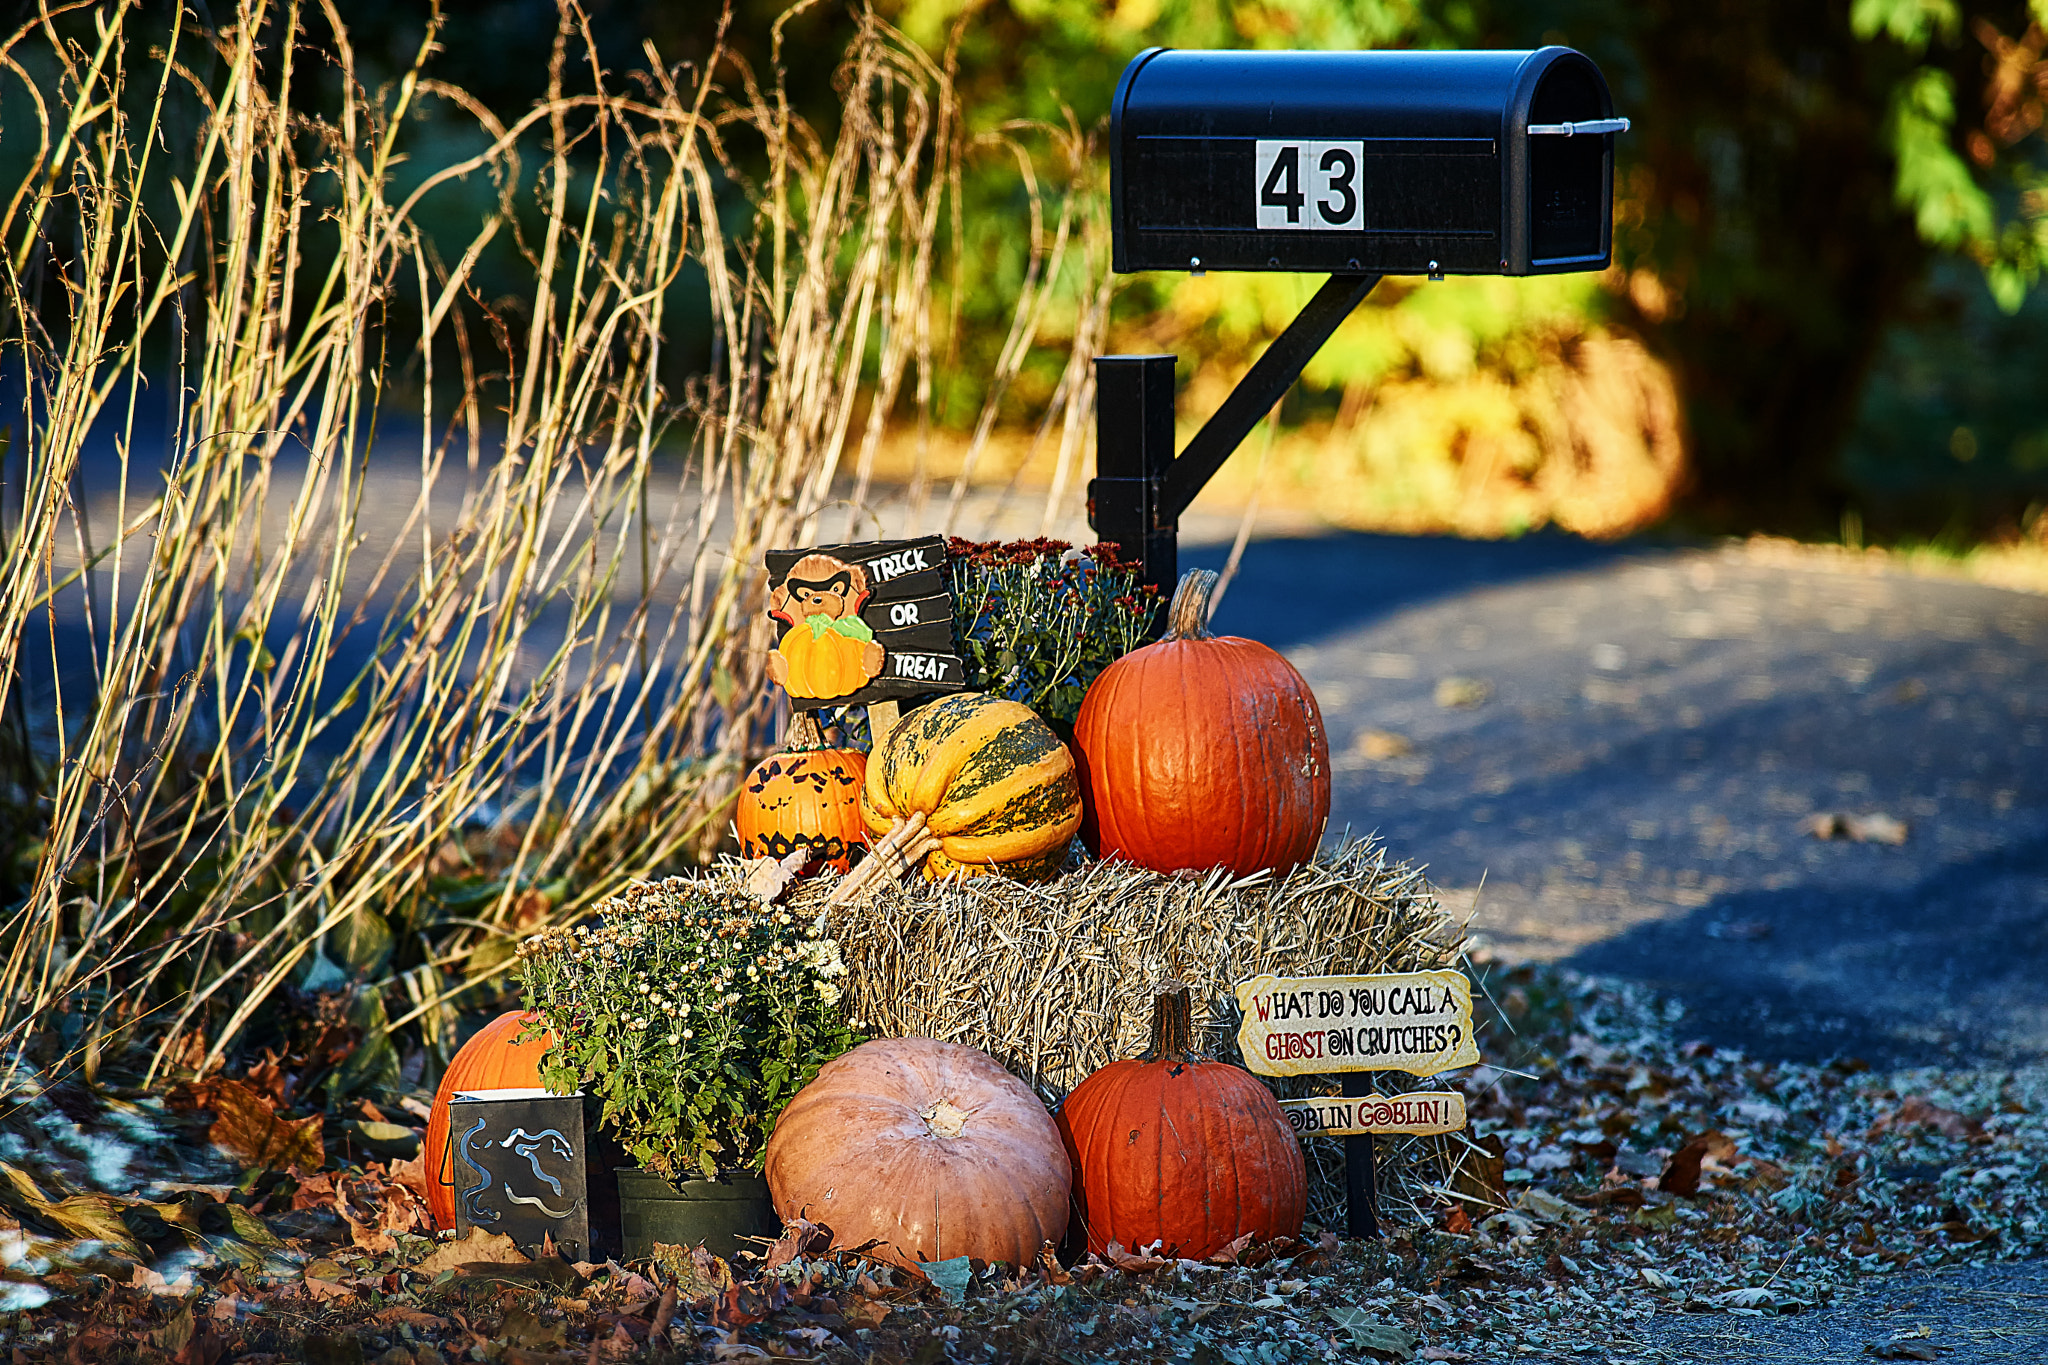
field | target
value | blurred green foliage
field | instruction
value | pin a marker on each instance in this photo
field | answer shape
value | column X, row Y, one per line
column 1813, row 195
column 1797, row 176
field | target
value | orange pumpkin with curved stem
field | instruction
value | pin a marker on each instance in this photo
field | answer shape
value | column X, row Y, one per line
column 1203, row 751
column 1178, row 1149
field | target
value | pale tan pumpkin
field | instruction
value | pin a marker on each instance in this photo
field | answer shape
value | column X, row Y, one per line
column 930, row 1148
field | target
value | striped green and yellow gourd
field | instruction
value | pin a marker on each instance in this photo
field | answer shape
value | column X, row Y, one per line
column 996, row 786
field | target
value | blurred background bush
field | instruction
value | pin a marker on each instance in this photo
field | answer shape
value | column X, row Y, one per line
column 1823, row 317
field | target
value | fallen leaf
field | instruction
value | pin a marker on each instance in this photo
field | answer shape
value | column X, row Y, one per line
column 800, row 1237
column 1228, row 1255
column 1049, row 1266
column 92, row 1216
column 248, row 1129
column 480, row 1247
column 1682, row 1172
column 1441, row 1353
column 173, row 1335
column 1905, row 1350
column 951, row 1277
column 1458, row 693
column 1373, row 1337
column 767, row 879
column 860, row 1311
column 521, row 1328
column 1378, row 746
column 1876, row 828
column 1548, row 1207
column 1481, row 1175
column 1917, row 1112
column 1140, row 1264
column 410, row 1317
column 1456, row 1220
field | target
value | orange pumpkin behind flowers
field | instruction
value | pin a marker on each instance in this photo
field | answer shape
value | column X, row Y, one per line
column 807, row 796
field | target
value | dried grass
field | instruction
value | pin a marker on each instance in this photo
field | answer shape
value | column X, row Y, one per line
column 303, row 678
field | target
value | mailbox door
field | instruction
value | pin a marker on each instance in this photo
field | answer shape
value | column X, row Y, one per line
column 1358, row 162
column 1560, row 188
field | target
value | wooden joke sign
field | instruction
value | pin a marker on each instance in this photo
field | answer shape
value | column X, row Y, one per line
column 862, row 623
column 1418, row 1022
column 1419, row 1114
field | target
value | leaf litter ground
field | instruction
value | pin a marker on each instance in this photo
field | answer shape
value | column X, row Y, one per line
column 1636, row 1175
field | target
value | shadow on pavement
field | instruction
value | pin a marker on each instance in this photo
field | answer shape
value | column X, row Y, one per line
column 1291, row 590
column 1941, row 973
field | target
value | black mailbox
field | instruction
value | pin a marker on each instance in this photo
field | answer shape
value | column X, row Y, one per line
column 1385, row 163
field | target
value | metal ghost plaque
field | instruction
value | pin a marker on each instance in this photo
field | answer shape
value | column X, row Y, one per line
column 862, row 623
column 518, row 1167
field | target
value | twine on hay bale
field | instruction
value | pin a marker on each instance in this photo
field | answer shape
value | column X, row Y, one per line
column 1053, row 978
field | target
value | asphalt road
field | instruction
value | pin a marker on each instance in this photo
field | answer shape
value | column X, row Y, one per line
column 1626, row 743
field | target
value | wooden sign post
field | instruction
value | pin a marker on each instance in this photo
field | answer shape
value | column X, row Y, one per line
column 868, row 624
column 1418, row 1022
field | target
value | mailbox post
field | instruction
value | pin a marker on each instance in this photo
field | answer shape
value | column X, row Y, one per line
column 1359, row 164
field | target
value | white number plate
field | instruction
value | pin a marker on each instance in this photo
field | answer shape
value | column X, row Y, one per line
column 1310, row 186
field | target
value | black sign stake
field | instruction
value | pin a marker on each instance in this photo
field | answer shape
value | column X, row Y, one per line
column 1361, row 1187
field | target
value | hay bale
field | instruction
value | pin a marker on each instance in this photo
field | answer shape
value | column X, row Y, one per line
column 1054, row 979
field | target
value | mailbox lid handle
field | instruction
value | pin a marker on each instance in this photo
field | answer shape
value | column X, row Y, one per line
column 1591, row 126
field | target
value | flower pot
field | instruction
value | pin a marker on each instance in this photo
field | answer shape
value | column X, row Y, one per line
column 716, row 1213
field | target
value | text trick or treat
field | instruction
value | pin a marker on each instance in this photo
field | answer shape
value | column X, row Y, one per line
column 862, row 623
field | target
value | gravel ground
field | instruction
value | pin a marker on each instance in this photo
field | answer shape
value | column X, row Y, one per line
column 1626, row 746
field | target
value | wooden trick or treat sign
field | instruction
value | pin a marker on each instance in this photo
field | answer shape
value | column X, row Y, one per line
column 863, row 623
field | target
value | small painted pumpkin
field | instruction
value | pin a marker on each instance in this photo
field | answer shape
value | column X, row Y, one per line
column 823, row 659
column 805, row 797
column 1178, row 1149
column 493, row 1059
column 930, row 1149
column 996, row 787
column 1203, row 751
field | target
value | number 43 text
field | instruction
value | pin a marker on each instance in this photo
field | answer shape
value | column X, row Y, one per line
column 1310, row 185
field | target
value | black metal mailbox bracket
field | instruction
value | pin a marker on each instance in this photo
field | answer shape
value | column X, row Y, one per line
column 1140, row 489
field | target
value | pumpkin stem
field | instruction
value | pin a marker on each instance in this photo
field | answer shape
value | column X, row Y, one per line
column 1173, row 1024
column 803, row 733
column 1188, row 617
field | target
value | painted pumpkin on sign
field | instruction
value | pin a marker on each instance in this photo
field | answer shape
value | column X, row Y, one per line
column 930, row 1149
column 493, row 1059
column 1203, row 751
column 808, row 797
column 995, row 785
column 1176, row 1148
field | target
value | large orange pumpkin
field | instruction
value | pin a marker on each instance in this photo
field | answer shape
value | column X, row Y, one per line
column 1178, row 1149
column 1203, row 751
column 929, row 1148
column 808, row 796
column 491, row 1060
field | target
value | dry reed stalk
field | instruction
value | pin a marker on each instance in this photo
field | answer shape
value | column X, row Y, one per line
column 280, row 729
